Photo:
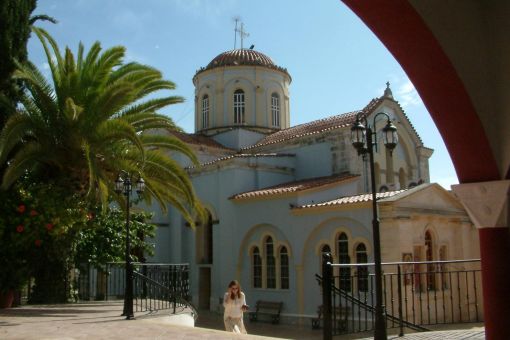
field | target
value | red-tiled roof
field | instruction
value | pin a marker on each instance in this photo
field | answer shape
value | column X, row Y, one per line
column 294, row 186
column 198, row 140
column 316, row 126
column 350, row 199
column 240, row 57
column 244, row 155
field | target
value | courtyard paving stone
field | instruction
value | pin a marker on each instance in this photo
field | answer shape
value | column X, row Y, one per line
column 102, row 320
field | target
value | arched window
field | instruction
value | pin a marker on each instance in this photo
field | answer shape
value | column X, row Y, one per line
column 270, row 264
column 257, row 269
column 429, row 256
column 284, row 268
column 205, row 111
column 443, row 267
column 383, row 188
column 275, row 109
column 343, row 257
column 239, row 107
column 361, row 257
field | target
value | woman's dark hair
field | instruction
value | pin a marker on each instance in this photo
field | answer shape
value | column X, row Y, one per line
column 235, row 283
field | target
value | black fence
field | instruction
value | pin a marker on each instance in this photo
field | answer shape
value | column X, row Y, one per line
column 155, row 286
column 415, row 295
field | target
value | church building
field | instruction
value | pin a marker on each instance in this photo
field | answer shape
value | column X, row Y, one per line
column 278, row 196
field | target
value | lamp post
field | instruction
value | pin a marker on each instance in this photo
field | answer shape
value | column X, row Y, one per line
column 123, row 186
column 364, row 139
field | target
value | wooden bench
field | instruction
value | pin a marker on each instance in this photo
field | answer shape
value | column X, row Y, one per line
column 339, row 314
column 267, row 308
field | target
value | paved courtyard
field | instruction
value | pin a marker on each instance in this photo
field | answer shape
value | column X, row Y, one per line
column 100, row 320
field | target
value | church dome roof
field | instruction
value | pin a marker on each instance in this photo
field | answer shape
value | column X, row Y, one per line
column 242, row 57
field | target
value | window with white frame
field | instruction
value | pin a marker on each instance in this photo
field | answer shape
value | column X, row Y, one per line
column 362, row 257
column 257, row 268
column 270, row 264
column 205, row 111
column 284, row 268
column 275, row 109
column 239, row 107
column 343, row 257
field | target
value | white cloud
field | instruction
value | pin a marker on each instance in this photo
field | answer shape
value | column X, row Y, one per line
column 407, row 95
column 403, row 91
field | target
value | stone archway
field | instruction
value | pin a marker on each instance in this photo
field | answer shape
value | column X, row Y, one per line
column 430, row 41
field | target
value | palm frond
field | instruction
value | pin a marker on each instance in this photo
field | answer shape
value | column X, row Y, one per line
column 169, row 143
column 15, row 130
column 44, row 37
column 22, row 162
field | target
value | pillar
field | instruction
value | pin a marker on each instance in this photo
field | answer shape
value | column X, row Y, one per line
column 488, row 208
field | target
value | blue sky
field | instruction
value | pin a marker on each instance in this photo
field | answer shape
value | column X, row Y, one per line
column 336, row 63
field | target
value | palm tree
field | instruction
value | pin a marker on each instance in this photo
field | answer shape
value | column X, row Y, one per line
column 98, row 116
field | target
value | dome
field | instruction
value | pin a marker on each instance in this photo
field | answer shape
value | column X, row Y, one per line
column 242, row 57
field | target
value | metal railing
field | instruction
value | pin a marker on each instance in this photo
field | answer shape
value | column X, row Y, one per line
column 415, row 294
column 156, row 286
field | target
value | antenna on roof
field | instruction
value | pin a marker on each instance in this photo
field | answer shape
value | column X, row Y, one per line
column 242, row 33
column 236, row 19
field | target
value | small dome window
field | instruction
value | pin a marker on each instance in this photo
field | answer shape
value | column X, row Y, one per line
column 239, row 107
column 205, row 111
column 275, row 109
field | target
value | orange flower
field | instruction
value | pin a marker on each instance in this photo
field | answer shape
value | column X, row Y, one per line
column 33, row 212
column 21, row 208
column 38, row 243
column 49, row 226
column 20, row 228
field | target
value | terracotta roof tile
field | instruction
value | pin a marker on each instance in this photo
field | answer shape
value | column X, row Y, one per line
column 243, row 155
column 350, row 199
column 242, row 57
column 198, row 140
column 294, row 186
column 316, row 126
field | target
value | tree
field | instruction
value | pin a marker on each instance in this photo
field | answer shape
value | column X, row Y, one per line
column 38, row 228
column 103, row 238
column 14, row 34
column 97, row 118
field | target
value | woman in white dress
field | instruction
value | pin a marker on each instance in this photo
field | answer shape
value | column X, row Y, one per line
column 234, row 302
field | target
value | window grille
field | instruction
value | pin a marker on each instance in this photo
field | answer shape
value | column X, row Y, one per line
column 239, row 107
column 275, row 110
column 205, row 111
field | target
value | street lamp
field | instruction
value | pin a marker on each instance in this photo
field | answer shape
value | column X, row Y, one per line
column 123, row 186
column 365, row 140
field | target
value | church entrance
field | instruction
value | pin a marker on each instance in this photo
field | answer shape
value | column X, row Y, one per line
column 204, row 290
column 204, row 258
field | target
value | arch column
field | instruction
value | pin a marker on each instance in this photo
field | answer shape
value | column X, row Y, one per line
column 487, row 204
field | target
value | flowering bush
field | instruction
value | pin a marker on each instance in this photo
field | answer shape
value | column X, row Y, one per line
column 37, row 229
